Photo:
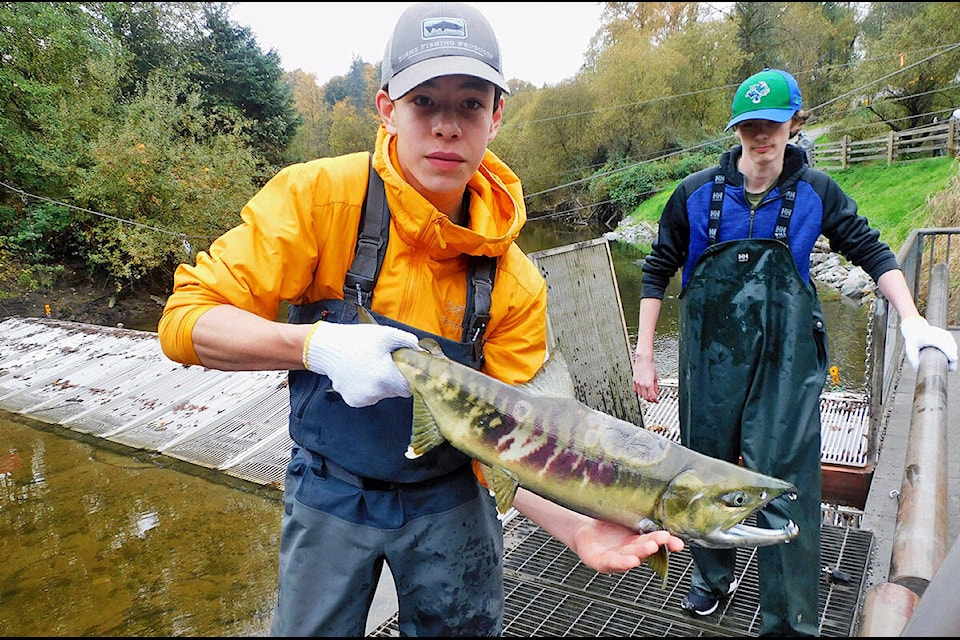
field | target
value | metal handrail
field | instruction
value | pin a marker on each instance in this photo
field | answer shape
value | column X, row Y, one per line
column 923, row 249
column 922, row 526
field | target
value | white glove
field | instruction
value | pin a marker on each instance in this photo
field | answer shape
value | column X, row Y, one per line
column 357, row 359
column 918, row 333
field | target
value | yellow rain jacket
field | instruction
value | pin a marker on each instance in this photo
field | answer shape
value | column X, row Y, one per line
column 298, row 238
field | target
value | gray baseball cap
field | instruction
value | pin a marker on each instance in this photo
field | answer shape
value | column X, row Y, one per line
column 434, row 39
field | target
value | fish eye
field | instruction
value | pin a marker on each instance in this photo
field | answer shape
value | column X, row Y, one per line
column 735, row 499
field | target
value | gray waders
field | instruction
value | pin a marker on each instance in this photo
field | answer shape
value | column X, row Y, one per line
column 753, row 359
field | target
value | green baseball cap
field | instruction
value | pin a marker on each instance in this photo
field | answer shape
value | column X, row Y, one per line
column 771, row 94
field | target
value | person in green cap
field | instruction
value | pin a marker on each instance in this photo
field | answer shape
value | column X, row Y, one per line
column 753, row 345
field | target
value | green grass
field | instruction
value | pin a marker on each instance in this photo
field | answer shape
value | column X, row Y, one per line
column 892, row 198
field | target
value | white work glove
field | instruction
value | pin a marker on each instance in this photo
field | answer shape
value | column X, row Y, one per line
column 918, row 333
column 357, row 359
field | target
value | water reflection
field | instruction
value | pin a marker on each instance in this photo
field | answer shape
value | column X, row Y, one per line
column 99, row 542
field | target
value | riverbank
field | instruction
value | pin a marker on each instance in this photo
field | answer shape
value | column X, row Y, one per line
column 78, row 297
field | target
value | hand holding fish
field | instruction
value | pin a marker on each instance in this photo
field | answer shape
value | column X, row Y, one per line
column 606, row 547
column 603, row 546
column 356, row 358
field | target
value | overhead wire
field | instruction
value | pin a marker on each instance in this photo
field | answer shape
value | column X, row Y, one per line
column 184, row 237
column 938, row 51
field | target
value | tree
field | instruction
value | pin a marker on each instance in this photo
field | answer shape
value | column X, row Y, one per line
column 56, row 84
column 149, row 36
column 162, row 185
column 700, row 65
column 912, row 57
column 351, row 129
column 353, row 85
column 236, row 78
column 312, row 136
column 758, row 25
column 546, row 138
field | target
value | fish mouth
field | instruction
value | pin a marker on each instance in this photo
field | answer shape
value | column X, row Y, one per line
column 745, row 535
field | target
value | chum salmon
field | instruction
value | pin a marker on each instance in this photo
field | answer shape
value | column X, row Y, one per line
column 537, row 435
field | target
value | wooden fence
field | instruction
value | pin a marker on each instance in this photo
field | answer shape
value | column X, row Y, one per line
column 897, row 146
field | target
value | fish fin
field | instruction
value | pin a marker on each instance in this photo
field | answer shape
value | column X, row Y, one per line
column 365, row 316
column 504, row 489
column 660, row 563
column 432, row 346
column 426, row 434
column 553, row 379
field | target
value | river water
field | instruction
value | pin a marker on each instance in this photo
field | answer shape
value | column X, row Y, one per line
column 97, row 539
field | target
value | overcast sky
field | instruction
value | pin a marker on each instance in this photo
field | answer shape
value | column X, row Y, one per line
column 541, row 42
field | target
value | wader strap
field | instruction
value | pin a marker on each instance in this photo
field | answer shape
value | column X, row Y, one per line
column 786, row 210
column 481, row 273
column 371, row 243
column 372, row 247
column 716, row 205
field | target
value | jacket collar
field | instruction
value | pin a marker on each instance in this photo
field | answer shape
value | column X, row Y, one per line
column 497, row 212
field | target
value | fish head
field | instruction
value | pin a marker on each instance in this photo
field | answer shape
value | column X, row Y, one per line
column 706, row 506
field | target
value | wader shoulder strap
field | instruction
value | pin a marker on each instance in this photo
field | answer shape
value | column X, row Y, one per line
column 371, row 243
column 786, row 211
column 481, row 273
column 372, row 247
column 716, row 205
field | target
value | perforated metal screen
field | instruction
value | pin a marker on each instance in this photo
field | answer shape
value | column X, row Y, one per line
column 550, row 593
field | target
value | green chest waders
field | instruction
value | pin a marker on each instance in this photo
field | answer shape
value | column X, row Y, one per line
column 753, row 358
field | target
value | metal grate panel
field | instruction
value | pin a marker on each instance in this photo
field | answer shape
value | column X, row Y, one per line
column 64, row 392
column 581, row 276
column 269, row 464
column 844, row 428
column 218, row 393
column 166, row 385
column 550, row 593
column 844, row 423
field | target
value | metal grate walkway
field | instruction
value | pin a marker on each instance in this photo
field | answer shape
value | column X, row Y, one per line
column 550, row 593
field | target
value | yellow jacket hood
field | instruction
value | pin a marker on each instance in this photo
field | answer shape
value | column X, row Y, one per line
column 497, row 211
column 298, row 237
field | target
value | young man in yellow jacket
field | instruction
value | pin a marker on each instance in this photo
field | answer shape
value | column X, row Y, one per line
column 352, row 499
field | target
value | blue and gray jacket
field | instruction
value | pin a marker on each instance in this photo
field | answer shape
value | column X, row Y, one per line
column 821, row 207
